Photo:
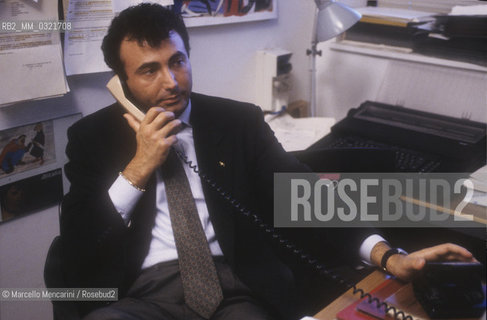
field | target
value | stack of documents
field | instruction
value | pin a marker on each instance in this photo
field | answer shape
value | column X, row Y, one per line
column 438, row 6
column 392, row 16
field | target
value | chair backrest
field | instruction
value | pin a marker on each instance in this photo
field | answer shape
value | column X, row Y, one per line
column 54, row 278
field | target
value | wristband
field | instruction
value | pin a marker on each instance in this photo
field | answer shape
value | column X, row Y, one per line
column 131, row 183
column 388, row 254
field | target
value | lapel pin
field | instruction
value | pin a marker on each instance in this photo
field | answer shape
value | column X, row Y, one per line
column 221, row 164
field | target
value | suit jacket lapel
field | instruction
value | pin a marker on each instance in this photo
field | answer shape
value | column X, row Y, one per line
column 213, row 147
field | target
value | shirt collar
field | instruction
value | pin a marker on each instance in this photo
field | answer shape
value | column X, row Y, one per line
column 184, row 117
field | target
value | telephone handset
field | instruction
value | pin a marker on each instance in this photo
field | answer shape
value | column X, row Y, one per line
column 116, row 89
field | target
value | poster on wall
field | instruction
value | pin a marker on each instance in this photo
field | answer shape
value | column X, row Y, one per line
column 26, row 196
column 26, row 148
column 213, row 12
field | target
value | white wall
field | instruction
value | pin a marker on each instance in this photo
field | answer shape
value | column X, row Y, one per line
column 222, row 58
column 348, row 76
column 23, row 248
column 229, row 50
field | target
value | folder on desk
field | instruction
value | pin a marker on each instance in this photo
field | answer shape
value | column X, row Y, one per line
column 395, row 294
column 352, row 312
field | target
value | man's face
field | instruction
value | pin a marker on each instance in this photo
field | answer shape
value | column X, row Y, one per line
column 158, row 76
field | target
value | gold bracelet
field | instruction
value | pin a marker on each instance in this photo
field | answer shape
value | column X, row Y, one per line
column 131, row 183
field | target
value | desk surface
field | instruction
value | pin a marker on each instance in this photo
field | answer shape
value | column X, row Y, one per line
column 368, row 284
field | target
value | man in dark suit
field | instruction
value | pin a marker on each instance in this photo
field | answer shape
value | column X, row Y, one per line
column 117, row 224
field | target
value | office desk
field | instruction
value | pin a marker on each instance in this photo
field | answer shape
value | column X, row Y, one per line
column 405, row 299
column 367, row 284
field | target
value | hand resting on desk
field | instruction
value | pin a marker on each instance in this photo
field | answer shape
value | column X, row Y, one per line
column 405, row 267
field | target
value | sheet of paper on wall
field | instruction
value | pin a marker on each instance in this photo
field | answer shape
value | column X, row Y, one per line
column 31, row 62
column 299, row 133
column 90, row 21
column 119, row 5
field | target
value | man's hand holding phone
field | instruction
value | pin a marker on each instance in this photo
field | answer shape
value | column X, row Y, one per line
column 155, row 135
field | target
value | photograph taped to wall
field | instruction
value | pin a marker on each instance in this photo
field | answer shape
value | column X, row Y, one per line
column 212, row 12
column 27, row 147
column 26, row 196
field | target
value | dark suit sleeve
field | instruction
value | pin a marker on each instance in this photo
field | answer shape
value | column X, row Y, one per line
column 92, row 230
column 334, row 243
column 268, row 158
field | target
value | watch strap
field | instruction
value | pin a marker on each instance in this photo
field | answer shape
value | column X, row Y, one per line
column 389, row 253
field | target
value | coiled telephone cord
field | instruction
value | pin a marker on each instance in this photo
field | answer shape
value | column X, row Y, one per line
column 299, row 253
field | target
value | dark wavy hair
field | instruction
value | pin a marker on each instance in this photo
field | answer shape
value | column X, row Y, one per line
column 146, row 22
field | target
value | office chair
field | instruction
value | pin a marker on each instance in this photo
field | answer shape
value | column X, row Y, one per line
column 54, row 278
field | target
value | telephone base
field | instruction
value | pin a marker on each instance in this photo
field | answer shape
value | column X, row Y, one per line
column 451, row 290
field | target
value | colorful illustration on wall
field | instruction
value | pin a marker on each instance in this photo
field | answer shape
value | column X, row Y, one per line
column 27, row 147
column 211, row 12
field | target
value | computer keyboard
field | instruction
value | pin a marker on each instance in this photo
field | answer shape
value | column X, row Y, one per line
column 406, row 160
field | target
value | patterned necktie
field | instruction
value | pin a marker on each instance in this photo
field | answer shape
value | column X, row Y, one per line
column 202, row 290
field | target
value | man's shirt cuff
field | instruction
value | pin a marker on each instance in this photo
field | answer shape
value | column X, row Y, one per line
column 367, row 246
column 124, row 197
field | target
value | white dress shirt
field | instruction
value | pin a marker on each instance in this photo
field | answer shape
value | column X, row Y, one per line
column 162, row 247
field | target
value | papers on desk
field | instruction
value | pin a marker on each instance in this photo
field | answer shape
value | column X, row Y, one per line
column 31, row 62
column 405, row 297
column 362, row 310
column 480, row 9
column 298, row 133
column 479, row 187
column 391, row 291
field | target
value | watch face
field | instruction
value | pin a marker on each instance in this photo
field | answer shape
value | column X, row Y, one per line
column 401, row 251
